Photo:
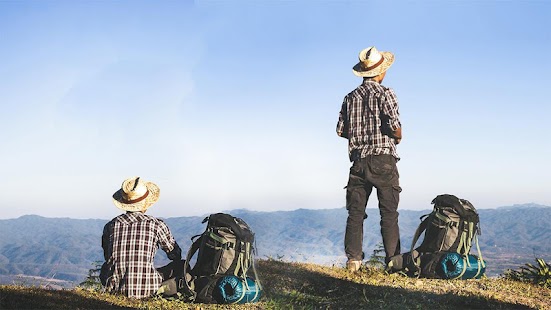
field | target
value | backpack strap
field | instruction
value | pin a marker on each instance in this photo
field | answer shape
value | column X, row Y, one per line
column 479, row 252
column 480, row 266
column 465, row 264
column 243, row 291
column 192, row 250
column 420, row 229
column 244, row 255
column 463, row 247
column 245, row 262
column 256, row 279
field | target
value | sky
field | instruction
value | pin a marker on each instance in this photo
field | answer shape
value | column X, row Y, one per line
column 233, row 104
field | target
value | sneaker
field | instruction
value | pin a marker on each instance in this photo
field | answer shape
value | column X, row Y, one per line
column 353, row 265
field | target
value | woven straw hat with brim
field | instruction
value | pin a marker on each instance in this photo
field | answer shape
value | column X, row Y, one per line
column 136, row 195
column 372, row 62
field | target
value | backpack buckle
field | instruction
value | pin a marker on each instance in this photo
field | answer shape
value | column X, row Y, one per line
column 241, row 247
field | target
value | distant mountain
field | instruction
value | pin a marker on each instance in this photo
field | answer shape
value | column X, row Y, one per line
column 523, row 206
column 59, row 248
column 65, row 249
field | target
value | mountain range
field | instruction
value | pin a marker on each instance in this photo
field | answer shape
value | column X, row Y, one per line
column 66, row 249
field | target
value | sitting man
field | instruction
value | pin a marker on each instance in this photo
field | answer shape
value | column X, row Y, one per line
column 130, row 242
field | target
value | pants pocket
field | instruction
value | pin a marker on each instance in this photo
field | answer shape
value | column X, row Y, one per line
column 383, row 164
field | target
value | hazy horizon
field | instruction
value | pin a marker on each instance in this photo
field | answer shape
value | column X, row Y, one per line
column 370, row 208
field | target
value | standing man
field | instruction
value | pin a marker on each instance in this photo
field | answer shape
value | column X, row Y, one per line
column 130, row 242
column 369, row 119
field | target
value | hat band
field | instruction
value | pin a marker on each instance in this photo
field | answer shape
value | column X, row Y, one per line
column 375, row 65
column 138, row 199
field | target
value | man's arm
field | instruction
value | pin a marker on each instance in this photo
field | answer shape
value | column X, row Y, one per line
column 167, row 242
column 342, row 124
column 390, row 109
column 105, row 240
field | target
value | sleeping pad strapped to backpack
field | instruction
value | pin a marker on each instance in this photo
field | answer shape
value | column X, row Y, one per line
column 450, row 230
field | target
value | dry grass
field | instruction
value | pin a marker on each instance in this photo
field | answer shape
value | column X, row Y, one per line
column 309, row 286
column 314, row 287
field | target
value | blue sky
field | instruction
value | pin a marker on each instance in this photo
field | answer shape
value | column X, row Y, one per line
column 231, row 105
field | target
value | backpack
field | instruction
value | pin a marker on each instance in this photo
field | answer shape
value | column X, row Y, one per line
column 224, row 271
column 451, row 227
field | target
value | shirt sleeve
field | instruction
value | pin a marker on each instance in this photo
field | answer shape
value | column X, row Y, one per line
column 342, row 124
column 168, row 243
column 105, row 240
column 390, row 108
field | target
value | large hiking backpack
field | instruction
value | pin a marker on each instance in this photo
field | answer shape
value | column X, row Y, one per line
column 224, row 271
column 451, row 227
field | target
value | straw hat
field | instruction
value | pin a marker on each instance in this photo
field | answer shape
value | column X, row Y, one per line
column 136, row 195
column 372, row 62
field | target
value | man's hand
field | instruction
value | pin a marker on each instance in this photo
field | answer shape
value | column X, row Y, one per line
column 176, row 253
column 397, row 135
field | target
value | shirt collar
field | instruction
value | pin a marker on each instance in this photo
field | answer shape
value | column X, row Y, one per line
column 370, row 81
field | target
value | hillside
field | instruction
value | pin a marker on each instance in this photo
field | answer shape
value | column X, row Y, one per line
column 65, row 249
column 310, row 286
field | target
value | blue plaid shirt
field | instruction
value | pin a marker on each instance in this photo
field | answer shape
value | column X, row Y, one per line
column 368, row 114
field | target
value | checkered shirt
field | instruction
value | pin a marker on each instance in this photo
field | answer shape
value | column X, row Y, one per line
column 365, row 110
column 130, row 242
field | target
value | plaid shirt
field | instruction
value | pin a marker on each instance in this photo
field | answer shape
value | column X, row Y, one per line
column 367, row 116
column 129, row 243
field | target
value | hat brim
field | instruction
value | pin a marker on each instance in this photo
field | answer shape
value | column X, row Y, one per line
column 389, row 60
column 143, row 205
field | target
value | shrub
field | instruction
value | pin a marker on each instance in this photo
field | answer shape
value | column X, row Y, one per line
column 92, row 280
column 540, row 275
column 377, row 259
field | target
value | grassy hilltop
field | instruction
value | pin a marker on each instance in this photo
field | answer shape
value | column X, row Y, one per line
column 310, row 286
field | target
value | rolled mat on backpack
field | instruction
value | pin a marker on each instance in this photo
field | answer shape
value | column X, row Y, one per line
column 233, row 290
column 455, row 266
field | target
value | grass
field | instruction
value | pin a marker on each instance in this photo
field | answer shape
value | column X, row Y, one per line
column 310, row 286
